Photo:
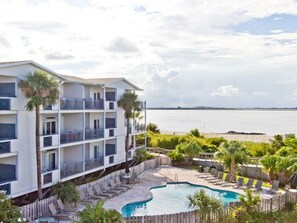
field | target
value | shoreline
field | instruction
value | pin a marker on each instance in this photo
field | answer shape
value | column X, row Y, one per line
column 244, row 137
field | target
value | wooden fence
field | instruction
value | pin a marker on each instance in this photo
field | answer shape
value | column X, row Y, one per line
column 35, row 209
column 184, row 217
column 38, row 208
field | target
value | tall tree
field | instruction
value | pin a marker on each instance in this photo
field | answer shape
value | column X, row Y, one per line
column 41, row 89
column 129, row 102
column 232, row 153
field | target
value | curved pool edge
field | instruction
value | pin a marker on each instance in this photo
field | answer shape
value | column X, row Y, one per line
column 179, row 182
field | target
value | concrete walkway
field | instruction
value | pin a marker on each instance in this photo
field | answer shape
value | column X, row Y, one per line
column 156, row 177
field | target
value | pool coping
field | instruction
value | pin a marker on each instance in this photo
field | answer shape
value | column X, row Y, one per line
column 179, row 182
column 155, row 178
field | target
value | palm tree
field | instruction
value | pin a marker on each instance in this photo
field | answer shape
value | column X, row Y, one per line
column 232, row 153
column 249, row 201
column 270, row 163
column 97, row 214
column 205, row 204
column 67, row 192
column 40, row 89
column 129, row 102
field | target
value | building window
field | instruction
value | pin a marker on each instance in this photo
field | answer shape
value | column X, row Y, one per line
column 49, row 161
column 97, row 96
column 96, row 152
column 96, row 123
column 49, row 126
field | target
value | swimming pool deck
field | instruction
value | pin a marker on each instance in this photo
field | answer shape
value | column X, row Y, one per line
column 156, row 177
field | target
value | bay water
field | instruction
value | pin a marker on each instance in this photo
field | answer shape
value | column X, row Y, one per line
column 269, row 122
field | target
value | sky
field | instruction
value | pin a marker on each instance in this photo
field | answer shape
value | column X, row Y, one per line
column 225, row 53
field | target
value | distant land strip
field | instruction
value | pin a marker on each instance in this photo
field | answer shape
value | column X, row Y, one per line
column 219, row 108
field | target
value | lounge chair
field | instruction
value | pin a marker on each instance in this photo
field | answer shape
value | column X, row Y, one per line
column 92, row 195
column 221, row 182
column 59, row 216
column 274, row 187
column 258, row 186
column 227, row 182
column 213, row 170
column 62, row 207
column 205, row 172
column 220, row 178
column 213, row 177
column 249, row 184
column 101, row 193
column 238, row 183
column 119, row 183
column 109, row 190
column 84, row 198
column 112, row 184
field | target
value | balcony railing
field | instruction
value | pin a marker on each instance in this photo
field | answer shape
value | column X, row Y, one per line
column 94, row 163
column 47, row 141
column 110, row 123
column 7, row 173
column 7, row 131
column 6, row 188
column 94, row 104
column 110, row 149
column 5, row 147
column 139, row 127
column 94, row 133
column 69, row 137
column 69, row 169
column 4, row 104
column 71, row 104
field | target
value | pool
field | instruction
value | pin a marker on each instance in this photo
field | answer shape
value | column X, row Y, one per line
column 172, row 198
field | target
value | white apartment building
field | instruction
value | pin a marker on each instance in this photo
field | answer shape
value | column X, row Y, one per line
column 83, row 133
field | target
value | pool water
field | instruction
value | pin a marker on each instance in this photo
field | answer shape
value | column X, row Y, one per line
column 172, row 198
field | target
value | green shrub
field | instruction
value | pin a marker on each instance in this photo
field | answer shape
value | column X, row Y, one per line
column 67, row 192
column 168, row 142
column 8, row 211
column 176, row 156
column 142, row 155
column 153, row 128
column 195, row 132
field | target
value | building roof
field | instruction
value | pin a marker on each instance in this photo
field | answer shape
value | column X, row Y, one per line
column 17, row 63
column 72, row 79
column 98, row 81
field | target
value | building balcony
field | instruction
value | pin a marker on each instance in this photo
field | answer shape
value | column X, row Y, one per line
column 94, row 134
column 94, row 163
column 4, row 104
column 110, row 123
column 110, row 149
column 7, row 173
column 72, row 136
column 71, row 104
column 94, row 104
column 139, row 128
column 69, row 169
column 7, row 131
column 5, row 147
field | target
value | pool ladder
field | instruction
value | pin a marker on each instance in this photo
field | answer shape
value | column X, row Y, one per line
column 176, row 177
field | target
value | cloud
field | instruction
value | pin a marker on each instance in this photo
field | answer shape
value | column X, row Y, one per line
column 276, row 31
column 56, row 55
column 166, row 48
column 260, row 93
column 295, row 94
column 4, row 42
column 227, row 90
column 122, row 45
